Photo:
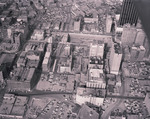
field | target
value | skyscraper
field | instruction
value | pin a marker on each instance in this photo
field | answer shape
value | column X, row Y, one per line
column 147, row 47
column 137, row 53
column 134, row 53
column 141, row 53
column 129, row 13
column 140, row 37
column 128, row 35
column 115, row 58
column 108, row 23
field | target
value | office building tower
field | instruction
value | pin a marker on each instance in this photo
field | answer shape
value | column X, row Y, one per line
column 137, row 53
column 108, row 23
column 115, row 58
column 141, row 53
column 129, row 13
column 128, row 35
column 147, row 47
column 140, row 37
column 133, row 53
column 139, row 24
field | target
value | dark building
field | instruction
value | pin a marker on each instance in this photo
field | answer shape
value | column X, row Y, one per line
column 129, row 13
column 143, row 8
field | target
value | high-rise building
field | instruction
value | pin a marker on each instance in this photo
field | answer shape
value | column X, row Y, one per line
column 108, row 23
column 139, row 24
column 133, row 53
column 128, row 35
column 137, row 53
column 115, row 58
column 129, row 13
column 140, row 37
column 147, row 47
column 141, row 53
column 126, row 53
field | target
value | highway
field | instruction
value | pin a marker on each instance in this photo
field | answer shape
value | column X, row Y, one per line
column 125, row 97
column 37, row 93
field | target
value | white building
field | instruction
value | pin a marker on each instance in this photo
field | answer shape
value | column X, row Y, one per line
column 96, row 79
column 38, row 35
column 115, row 59
column 97, row 49
column 77, row 25
column 85, row 95
column 91, row 20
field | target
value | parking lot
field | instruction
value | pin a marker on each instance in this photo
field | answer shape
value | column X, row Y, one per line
column 133, row 106
column 133, row 88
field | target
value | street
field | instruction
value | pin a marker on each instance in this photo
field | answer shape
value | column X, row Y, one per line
column 107, row 112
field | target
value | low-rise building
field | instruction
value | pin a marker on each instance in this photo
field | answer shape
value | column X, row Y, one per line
column 65, row 38
column 29, row 59
column 22, row 79
column 118, row 81
column 88, row 95
column 57, row 25
column 91, row 20
column 96, row 79
column 45, row 26
column 97, row 49
column 38, row 35
column 65, row 65
column 96, row 63
column 35, row 46
column 56, row 83
column 77, row 25
column 13, row 107
column 20, row 26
